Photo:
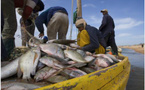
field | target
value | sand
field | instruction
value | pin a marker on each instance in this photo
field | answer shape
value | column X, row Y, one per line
column 137, row 48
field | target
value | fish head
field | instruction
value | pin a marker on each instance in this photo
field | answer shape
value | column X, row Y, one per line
column 38, row 78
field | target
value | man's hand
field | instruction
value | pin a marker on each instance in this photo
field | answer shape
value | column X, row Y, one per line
column 41, row 35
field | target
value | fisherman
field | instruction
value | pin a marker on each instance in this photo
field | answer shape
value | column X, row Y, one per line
column 10, row 25
column 89, row 38
column 4, row 55
column 107, row 29
column 29, row 25
column 56, row 20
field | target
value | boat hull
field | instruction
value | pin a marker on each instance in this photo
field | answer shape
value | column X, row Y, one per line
column 114, row 77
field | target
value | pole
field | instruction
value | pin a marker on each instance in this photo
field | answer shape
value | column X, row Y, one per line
column 79, row 10
column 71, row 21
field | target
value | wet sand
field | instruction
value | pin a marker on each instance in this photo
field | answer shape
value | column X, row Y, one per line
column 137, row 48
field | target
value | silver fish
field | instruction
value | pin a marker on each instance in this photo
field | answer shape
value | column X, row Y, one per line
column 74, row 55
column 28, row 63
column 40, row 65
column 102, row 62
column 88, row 69
column 52, row 49
column 9, row 69
column 104, row 56
column 73, row 72
column 56, row 79
column 45, row 73
column 74, row 45
column 51, row 62
column 89, row 58
column 113, row 58
column 81, row 52
column 11, row 85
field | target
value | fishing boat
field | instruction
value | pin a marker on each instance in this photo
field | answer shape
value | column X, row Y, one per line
column 114, row 77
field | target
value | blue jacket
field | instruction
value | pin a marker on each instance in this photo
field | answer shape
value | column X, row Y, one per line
column 96, row 38
column 45, row 17
column 107, row 25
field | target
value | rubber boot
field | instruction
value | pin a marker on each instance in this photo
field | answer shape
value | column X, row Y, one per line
column 9, row 45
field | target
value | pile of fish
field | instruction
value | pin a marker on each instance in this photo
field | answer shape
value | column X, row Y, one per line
column 56, row 61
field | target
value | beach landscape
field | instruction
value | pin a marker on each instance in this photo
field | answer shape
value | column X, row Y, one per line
column 138, row 47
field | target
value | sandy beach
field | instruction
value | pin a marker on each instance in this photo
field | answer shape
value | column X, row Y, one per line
column 137, row 48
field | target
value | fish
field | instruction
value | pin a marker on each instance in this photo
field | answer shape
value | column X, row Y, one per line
column 104, row 56
column 75, row 56
column 64, row 47
column 113, row 58
column 45, row 73
column 33, row 40
column 52, row 50
column 74, row 45
column 102, row 62
column 83, row 53
column 9, row 69
column 56, row 79
column 28, row 62
column 89, row 58
column 62, row 41
column 51, row 62
column 88, row 69
column 40, row 65
column 72, row 73
column 17, row 85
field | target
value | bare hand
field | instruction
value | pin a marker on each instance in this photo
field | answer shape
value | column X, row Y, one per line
column 41, row 35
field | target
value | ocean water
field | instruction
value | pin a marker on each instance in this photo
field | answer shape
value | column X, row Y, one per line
column 136, row 79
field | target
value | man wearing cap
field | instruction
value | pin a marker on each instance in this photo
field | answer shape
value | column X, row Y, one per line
column 107, row 29
column 10, row 25
column 90, row 38
column 56, row 21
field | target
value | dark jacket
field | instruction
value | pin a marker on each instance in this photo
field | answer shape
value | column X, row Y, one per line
column 45, row 17
column 96, row 38
column 107, row 25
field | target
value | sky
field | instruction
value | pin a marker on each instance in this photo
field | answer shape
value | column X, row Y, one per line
column 128, row 17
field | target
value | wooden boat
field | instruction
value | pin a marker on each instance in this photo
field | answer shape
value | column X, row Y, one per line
column 114, row 77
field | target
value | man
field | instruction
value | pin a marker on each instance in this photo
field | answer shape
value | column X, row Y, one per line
column 56, row 20
column 10, row 25
column 4, row 55
column 89, row 38
column 107, row 29
column 29, row 25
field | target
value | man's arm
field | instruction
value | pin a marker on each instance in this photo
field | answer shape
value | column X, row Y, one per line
column 39, row 23
column 104, row 22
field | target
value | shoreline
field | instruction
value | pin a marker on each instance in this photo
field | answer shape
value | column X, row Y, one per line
column 137, row 48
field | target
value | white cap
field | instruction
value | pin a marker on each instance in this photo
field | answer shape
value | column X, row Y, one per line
column 104, row 10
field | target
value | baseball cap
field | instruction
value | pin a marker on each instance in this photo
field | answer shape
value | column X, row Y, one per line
column 104, row 10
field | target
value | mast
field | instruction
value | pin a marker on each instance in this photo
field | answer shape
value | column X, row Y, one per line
column 79, row 10
column 71, row 21
column 79, row 14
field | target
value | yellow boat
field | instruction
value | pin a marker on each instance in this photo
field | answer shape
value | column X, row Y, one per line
column 114, row 77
